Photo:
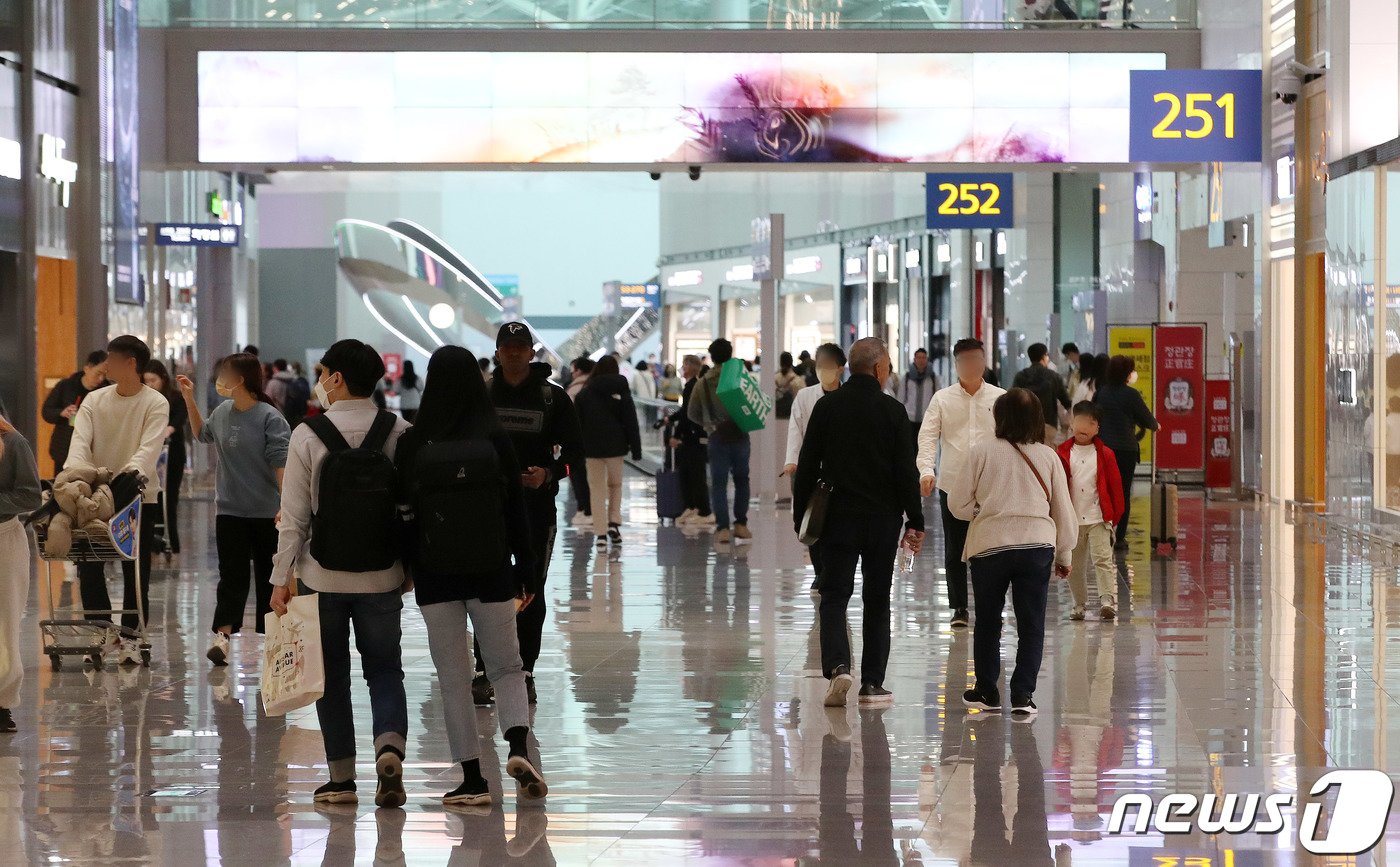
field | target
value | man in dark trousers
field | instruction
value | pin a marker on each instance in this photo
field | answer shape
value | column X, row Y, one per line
column 690, row 443
column 1046, row 385
column 858, row 442
column 542, row 424
column 62, row 404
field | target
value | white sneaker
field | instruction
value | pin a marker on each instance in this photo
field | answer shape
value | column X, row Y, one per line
column 218, row 649
column 130, row 653
column 582, row 520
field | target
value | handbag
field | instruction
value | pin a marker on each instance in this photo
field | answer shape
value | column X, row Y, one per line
column 814, row 519
column 293, row 672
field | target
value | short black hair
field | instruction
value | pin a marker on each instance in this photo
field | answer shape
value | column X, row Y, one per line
column 583, row 364
column 1037, row 351
column 251, row 350
column 833, row 351
column 1090, row 409
column 1120, row 367
column 280, row 364
column 357, row 363
column 1068, row 348
column 1019, row 417
column 132, row 347
column 721, row 350
column 967, row 344
column 921, row 349
column 96, row 357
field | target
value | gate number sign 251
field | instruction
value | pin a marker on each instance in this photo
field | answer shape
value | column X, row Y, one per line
column 969, row 201
column 1196, row 115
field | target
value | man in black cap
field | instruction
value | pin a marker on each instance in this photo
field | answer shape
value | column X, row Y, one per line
column 542, row 424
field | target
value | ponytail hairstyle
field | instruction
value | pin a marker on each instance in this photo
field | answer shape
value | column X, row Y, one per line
column 250, row 369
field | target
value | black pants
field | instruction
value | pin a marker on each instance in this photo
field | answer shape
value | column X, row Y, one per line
column 1127, row 466
column 170, row 499
column 871, row 539
column 578, row 480
column 817, row 563
column 836, row 830
column 242, row 542
column 954, row 569
column 1026, row 573
column 92, row 578
column 529, row 624
column 691, row 460
column 1029, row 845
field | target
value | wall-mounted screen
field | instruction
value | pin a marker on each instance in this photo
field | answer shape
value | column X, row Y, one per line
column 274, row 107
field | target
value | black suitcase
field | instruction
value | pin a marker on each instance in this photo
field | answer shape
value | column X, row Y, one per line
column 1164, row 519
column 669, row 501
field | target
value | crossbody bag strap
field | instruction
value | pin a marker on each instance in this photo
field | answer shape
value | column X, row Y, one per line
column 1038, row 478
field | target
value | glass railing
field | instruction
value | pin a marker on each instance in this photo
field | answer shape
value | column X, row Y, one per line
column 678, row 14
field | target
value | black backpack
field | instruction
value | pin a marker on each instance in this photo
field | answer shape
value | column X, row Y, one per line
column 459, row 505
column 355, row 527
column 295, row 400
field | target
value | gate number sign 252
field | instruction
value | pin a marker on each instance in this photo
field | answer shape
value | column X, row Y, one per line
column 1195, row 115
column 969, row 201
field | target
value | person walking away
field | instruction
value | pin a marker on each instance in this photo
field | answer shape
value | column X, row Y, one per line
column 1090, row 372
column 19, row 494
column 540, row 420
column 643, row 384
column 858, row 442
column 671, row 385
column 157, row 377
column 1073, row 365
column 829, row 365
column 279, row 384
column 916, row 388
column 691, row 445
column 1012, row 491
column 122, row 427
column 251, row 440
column 296, row 401
column 337, row 534
column 581, row 368
column 459, row 483
column 1097, row 494
column 608, row 420
column 806, row 368
column 957, row 419
column 728, row 449
column 788, row 383
column 1047, row 385
column 410, row 392
column 62, row 403
column 1125, row 417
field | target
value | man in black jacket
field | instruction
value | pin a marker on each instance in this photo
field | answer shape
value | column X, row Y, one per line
column 858, row 443
column 543, row 427
column 689, row 442
column 62, row 404
column 1047, row 385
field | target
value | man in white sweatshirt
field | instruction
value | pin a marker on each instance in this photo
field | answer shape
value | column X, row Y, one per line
column 122, row 427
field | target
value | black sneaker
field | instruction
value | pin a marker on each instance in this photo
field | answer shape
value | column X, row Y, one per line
column 336, row 793
column 979, row 700
column 875, row 695
column 473, row 794
column 530, row 689
column 960, row 620
column 7, row 722
column 530, row 780
column 600, row 542
column 1023, row 709
column 838, row 687
column 389, row 767
column 615, row 534
column 483, row 693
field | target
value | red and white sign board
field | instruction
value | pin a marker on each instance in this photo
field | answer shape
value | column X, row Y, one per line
column 1179, row 377
column 393, row 364
column 1220, row 439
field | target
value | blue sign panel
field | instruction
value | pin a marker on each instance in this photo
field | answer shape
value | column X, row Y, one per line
column 634, row 295
column 197, row 235
column 1196, row 115
column 969, row 201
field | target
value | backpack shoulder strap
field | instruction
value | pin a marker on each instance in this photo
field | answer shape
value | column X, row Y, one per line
column 379, row 431
column 326, row 431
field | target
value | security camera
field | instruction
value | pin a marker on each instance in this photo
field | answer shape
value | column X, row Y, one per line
column 1309, row 73
column 694, row 173
column 655, row 176
column 1287, row 87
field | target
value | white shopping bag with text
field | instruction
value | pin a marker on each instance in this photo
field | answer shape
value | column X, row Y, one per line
column 293, row 673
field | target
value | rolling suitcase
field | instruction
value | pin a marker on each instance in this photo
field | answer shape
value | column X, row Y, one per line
column 669, row 501
column 1164, row 519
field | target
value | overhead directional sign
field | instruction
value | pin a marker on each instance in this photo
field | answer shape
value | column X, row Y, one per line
column 196, row 235
column 969, row 201
column 1196, row 115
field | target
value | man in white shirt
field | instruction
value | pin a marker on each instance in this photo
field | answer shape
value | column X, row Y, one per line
column 958, row 418
column 372, row 600
column 122, row 427
column 829, row 364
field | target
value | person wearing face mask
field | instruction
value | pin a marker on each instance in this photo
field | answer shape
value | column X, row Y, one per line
column 1125, row 416
column 830, row 363
column 250, row 437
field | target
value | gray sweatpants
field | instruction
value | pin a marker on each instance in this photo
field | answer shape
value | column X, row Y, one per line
column 450, row 642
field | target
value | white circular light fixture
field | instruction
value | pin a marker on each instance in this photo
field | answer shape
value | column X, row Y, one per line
column 441, row 315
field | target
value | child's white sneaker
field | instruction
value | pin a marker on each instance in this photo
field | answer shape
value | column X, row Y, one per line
column 1076, row 613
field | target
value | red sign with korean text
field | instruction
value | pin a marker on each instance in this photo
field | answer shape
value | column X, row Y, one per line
column 393, row 364
column 1220, row 439
column 1179, row 377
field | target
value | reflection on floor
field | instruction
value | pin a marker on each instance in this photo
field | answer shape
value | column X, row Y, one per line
column 680, row 718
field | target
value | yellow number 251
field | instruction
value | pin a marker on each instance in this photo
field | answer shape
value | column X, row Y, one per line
column 1198, row 109
column 978, row 199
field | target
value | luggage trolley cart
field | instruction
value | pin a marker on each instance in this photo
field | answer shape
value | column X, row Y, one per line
column 73, row 635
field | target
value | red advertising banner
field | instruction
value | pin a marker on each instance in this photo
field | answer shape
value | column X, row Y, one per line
column 1179, row 376
column 393, row 364
column 1220, row 439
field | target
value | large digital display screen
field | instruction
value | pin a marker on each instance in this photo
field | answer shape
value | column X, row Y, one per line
column 648, row 107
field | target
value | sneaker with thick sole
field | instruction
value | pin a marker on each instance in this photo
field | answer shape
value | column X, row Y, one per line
column 722, row 536
column 600, row 542
column 582, row 519
column 615, row 536
column 960, row 619
column 742, row 531
column 473, row 794
column 389, row 767
column 218, row 649
column 1108, row 608
column 530, row 780
column 483, row 693
column 337, row 793
column 978, row 700
column 1023, row 709
column 838, row 686
column 875, row 696
column 130, row 653
column 7, row 722
column 1076, row 613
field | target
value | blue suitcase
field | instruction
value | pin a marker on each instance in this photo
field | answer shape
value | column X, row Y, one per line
column 669, row 501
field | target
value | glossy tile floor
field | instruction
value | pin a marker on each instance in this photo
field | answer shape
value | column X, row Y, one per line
column 680, row 719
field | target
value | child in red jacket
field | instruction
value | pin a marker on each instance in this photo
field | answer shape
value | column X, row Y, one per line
column 1097, row 491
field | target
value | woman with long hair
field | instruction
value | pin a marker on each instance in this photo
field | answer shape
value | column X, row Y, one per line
column 19, row 494
column 1013, row 490
column 610, row 430
column 789, row 382
column 250, row 437
column 471, row 561
column 158, row 377
column 410, row 391
column 1090, row 374
column 1125, row 417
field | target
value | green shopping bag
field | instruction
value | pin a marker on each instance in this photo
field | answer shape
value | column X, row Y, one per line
column 743, row 397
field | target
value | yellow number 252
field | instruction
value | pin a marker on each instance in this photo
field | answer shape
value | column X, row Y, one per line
column 971, row 198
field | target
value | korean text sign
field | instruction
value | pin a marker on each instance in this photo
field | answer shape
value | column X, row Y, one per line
column 1180, row 382
column 1195, row 115
column 1219, row 437
column 1135, row 341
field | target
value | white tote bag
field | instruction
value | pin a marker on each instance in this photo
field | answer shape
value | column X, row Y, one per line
column 293, row 673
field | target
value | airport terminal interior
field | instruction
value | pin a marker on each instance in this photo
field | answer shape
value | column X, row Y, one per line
column 736, row 286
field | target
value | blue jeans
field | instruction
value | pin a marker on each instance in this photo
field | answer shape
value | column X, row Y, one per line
column 1026, row 572
column 729, row 459
column 378, row 638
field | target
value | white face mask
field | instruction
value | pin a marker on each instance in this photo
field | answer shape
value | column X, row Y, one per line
column 829, row 376
column 223, row 390
column 1132, row 378
column 320, row 394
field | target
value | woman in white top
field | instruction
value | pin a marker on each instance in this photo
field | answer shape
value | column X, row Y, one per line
column 1090, row 369
column 643, row 383
column 1013, row 491
column 829, row 363
column 410, row 391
